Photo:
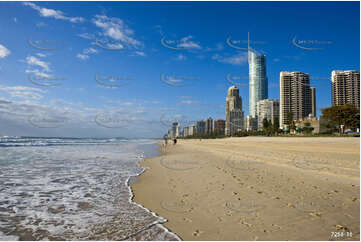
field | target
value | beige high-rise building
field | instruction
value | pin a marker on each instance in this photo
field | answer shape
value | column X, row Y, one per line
column 345, row 87
column 192, row 130
column 267, row 109
column 295, row 96
column 234, row 113
column 185, row 131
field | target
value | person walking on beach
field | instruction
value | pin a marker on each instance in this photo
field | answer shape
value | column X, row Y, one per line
column 165, row 143
column 175, row 141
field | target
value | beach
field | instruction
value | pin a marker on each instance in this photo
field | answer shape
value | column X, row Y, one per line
column 256, row 188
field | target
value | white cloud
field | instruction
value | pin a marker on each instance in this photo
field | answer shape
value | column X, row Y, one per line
column 86, row 36
column 86, row 52
column 38, row 68
column 41, row 54
column 23, row 92
column 187, row 43
column 77, row 119
column 82, row 56
column 4, row 51
column 51, row 13
column 116, row 29
column 237, row 59
column 39, row 73
column 15, row 20
column 140, row 53
column 33, row 61
column 90, row 51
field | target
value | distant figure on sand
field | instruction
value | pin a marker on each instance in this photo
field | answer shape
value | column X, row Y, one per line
column 174, row 141
column 165, row 142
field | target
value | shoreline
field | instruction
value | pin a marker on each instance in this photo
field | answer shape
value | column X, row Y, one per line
column 156, row 225
column 205, row 195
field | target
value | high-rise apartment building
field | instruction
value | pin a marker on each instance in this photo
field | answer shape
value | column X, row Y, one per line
column 209, row 125
column 219, row 126
column 174, row 131
column 267, row 109
column 258, row 82
column 250, row 123
column 295, row 96
column 345, row 87
column 234, row 113
column 201, row 127
column 185, row 131
column 192, row 130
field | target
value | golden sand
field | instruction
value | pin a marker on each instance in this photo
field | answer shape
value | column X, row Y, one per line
column 256, row 188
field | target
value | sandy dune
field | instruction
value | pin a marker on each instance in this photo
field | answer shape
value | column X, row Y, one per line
column 256, row 188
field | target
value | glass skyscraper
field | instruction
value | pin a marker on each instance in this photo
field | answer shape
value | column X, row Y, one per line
column 258, row 82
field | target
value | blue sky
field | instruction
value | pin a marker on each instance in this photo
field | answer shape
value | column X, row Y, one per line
column 157, row 61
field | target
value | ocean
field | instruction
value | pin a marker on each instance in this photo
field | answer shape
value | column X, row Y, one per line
column 74, row 189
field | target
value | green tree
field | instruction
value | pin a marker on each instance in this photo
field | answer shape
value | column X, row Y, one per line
column 265, row 124
column 290, row 122
column 276, row 125
column 347, row 115
column 267, row 127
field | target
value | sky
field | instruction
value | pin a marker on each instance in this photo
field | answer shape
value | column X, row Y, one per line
column 129, row 69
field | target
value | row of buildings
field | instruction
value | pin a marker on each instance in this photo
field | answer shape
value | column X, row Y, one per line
column 207, row 126
column 297, row 100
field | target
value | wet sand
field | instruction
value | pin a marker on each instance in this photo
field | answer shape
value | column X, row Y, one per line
column 256, row 188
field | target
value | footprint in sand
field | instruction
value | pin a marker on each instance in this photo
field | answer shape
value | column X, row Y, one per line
column 197, row 232
column 243, row 222
column 187, row 220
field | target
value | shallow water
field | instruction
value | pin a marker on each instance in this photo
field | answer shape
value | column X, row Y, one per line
column 74, row 189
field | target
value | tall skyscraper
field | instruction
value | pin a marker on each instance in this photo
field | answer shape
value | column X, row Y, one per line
column 295, row 96
column 185, row 131
column 209, row 125
column 201, row 127
column 313, row 101
column 234, row 113
column 219, row 126
column 258, row 82
column 192, row 130
column 267, row 109
column 345, row 88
